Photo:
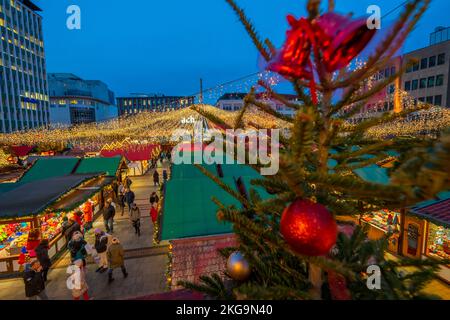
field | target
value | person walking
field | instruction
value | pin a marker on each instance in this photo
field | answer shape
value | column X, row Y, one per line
column 101, row 246
column 135, row 217
column 121, row 198
column 154, row 199
column 108, row 216
column 156, row 178
column 129, row 198
column 80, row 288
column 116, row 259
column 43, row 257
column 165, row 176
column 128, row 182
column 69, row 227
column 77, row 248
column 34, row 282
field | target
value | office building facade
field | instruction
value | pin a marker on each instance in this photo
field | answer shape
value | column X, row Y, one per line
column 427, row 80
column 24, row 100
column 137, row 103
column 76, row 101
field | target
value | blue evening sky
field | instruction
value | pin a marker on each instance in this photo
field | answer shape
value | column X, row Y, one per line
column 165, row 46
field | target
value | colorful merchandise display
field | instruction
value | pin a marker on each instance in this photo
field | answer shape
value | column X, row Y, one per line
column 439, row 242
column 388, row 221
column 13, row 237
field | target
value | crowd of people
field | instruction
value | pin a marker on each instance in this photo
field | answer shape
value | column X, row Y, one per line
column 107, row 251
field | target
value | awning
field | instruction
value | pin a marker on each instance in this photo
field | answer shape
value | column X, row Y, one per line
column 80, row 195
column 437, row 211
column 32, row 198
column 110, row 166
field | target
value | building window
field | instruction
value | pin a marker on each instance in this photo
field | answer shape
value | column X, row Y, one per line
column 439, row 80
column 392, row 71
column 409, row 68
column 423, row 83
column 386, row 73
column 415, row 84
column 430, row 82
column 422, row 99
column 432, row 62
column 430, row 99
column 441, row 59
column 416, row 66
column 438, row 100
column 391, row 89
column 424, row 63
column 408, row 86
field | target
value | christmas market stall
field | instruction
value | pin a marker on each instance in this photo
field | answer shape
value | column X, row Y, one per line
column 190, row 218
column 24, row 223
column 139, row 154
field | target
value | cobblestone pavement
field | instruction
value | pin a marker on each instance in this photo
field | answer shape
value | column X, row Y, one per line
column 145, row 263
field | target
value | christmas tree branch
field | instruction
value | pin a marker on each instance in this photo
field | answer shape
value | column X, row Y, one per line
column 250, row 30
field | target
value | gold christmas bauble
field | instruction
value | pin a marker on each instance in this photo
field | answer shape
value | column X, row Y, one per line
column 238, row 267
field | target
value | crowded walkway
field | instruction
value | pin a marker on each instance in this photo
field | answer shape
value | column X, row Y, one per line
column 145, row 263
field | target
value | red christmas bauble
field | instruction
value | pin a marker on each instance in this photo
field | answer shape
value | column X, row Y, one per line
column 308, row 227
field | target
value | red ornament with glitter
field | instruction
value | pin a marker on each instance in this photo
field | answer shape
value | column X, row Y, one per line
column 308, row 227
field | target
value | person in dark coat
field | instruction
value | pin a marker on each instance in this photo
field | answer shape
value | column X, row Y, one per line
column 43, row 257
column 165, row 177
column 154, row 198
column 69, row 227
column 156, row 178
column 108, row 216
column 77, row 248
column 129, row 198
column 101, row 246
column 34, row 282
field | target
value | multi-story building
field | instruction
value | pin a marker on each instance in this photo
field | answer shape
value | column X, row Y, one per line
column 235, row 101
column 136, row 103
column 428, row 79
column 75, row 101
column 24, row 101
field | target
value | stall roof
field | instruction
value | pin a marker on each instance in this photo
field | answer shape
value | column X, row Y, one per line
column 108, row 165
column 45, row 168
column 436, row 211
column 188, row 208
column 81, row 194
column 39, row 195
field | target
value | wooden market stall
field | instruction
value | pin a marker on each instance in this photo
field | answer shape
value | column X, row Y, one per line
column 48, row 201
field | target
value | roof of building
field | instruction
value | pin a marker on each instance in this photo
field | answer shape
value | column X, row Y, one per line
column 45, row 168
column 109, row 166
column 31, row 5
column 39, row 195
column 188, row 207
column 436, row 210
column 261, row 95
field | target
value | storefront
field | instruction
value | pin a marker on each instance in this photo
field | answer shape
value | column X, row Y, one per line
column 427, row 232
column 384, row 222
column 23, row 225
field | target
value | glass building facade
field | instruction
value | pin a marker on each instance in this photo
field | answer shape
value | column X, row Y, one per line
column 24, row 102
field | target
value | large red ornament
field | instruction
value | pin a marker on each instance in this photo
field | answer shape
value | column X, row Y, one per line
column 341, row 39
column 336, row 38
column 309, row 228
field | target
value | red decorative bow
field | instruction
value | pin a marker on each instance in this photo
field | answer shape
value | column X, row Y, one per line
column 337, row 38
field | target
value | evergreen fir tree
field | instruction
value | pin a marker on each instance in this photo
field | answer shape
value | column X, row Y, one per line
column 320, row 134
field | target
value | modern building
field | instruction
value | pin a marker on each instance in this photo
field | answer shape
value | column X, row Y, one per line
column 428, row 79
column 75, row 101
column 136, row 103
column 24, row 101
column 235, row 101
